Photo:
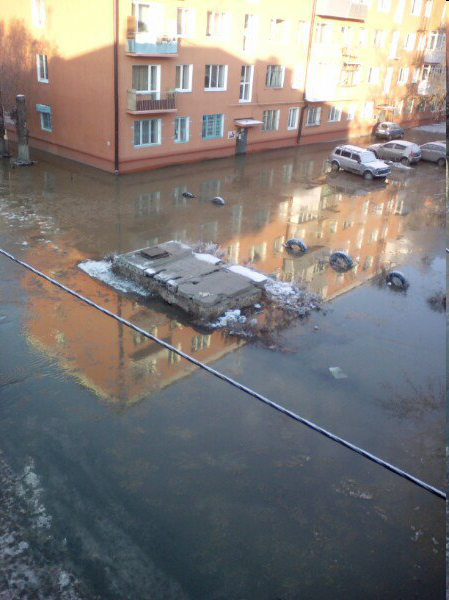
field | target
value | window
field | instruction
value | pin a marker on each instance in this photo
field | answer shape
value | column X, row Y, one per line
column 428, row 9
column 246, row 83
column 403, row 75
column 303, row 32
column 215, row 77
column 421, row 42
column 422, row 106
column 212, row 126
column 335, row 114
column 147, row 132
column 416, row 8
column 394, row 45
column 46, row 121
column 38, row 13
column 185, row 22
column 363, row 36
column 278, row 31
column 399, row 13
column 181, row 130
column 387, row 80
column 415, row 76
column 398, row 106
column 409, row 42
column 384, row 5
column 293, row 116
column 149, row 19
column 250, row 33
column 313, row 116
column 368, row 109
column 373, row 74
column 379, row 38
column 275, row 76
column 42, row 68
column 298, row 76
column 350, row 74
column 409, row 107
column 346, row 36
column 270, row 120
column 350, row 112
column 146, row 79
column 323, row 33
column 183, row 78
column 218, row 24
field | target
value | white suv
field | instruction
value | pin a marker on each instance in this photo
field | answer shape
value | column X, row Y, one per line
column 358, row 160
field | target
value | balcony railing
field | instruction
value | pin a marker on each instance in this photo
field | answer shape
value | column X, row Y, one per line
column 163, row 47
column 434, row 57
column 341, row 9
column 153, row 102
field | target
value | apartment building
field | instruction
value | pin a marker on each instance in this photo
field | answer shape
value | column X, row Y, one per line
column 128, row 85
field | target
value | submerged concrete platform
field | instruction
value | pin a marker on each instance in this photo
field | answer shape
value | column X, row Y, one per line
column 200, row 284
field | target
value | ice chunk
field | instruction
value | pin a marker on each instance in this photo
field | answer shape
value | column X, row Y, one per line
column 253, row 275
column 209, row 258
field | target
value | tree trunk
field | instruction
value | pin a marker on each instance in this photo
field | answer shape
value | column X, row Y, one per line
column 23, row 151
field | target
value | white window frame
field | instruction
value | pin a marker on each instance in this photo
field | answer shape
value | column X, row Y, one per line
column 347, row 36
column 394, row 44
column 249, row 33
column 303, row 32
column 403, row 75
column 384, row 6
column 409, row 107
column 278, row 31
column 335, row 112
column 182, row 68
column 313, row 118
column 271, row 118
column 293, row 118
column 363, row 36
column 43, row 128
column 373, row 75
column 38, row 13
column 421, row 42
column 298, row 75
column 245, row 85
column 217, row 28
column 268, row 77
column 379, row 38
column 415, row 75
column 42, row 58
column 407, row 45
column 325, row 35
column 351, row 111
column 157, row 91
column 428, row 9
column 368, row 114
column 159, row 126
column 225, row 78
column 187, row 130
column 187, row 22
column 416, row 8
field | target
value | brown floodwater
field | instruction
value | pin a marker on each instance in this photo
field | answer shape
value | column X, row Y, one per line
column 130, row 474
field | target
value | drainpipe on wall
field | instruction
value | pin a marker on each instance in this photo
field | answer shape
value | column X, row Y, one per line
column 116, row 107
column 309, row 51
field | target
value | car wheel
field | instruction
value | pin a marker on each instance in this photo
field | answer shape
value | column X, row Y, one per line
column 405, row 161
column 368, row 176
column 441, row 162
column 335, row 166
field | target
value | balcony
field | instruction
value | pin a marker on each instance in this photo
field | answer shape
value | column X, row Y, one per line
column 341, row 9
column 434, row 57
column 139, row 103
column 161, row 48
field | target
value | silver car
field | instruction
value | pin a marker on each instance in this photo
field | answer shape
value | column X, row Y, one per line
column 404, row 152
column 434, row 152
column 358, row 160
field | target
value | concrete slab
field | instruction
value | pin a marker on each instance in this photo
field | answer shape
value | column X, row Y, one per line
column 200, row 284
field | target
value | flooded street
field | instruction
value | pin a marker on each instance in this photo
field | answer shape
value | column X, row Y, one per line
column 130, row 474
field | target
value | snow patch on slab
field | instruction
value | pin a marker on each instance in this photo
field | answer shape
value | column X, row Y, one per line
column 230, row 317
column 208, row 258
column 102, row 270
column 434, row 128
column 249, row 273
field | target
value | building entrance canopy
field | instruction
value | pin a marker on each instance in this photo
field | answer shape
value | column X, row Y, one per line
column 247, row 122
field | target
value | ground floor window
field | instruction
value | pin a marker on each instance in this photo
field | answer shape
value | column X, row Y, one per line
column 350, row 112
column 44, row 116
column 313, row 116
column 293, row 116
column 181, row 129
column 147, row 132
column 334, row 114
column 270, row 120
column 212, row 126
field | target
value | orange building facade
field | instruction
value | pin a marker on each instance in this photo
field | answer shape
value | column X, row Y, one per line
column 132, row 85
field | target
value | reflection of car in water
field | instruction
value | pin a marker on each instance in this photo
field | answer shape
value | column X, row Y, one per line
column 346, row 184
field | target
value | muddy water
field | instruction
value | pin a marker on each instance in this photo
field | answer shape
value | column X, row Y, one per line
column 138, row 476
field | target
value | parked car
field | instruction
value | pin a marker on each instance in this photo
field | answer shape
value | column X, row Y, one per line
column 434, row 152
column 405, row 152
column 388, row 131
column 358, row 160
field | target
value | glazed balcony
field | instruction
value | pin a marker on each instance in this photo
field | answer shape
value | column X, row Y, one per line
column 434, row 57
column 139, row 103
column 162, row 48
column 341, row 9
